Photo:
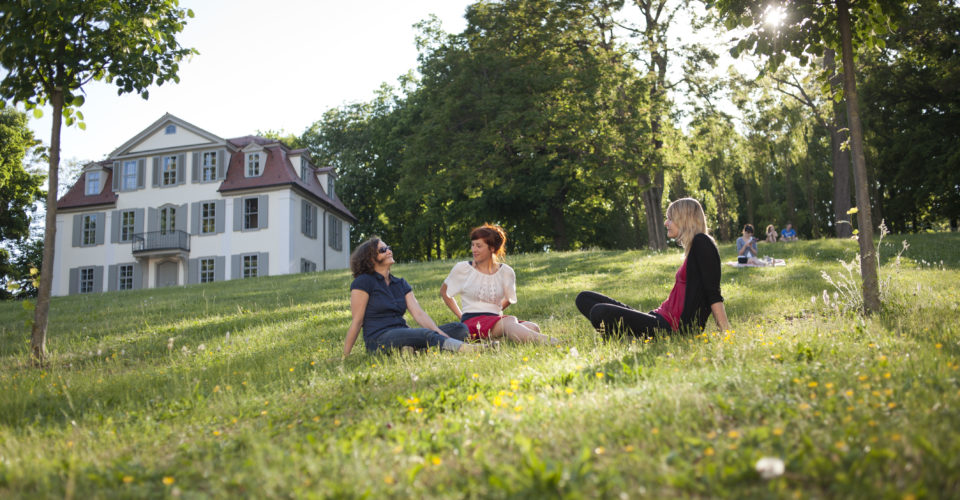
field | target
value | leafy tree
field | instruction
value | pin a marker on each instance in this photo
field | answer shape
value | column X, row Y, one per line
column 22, row 277
column 52, row 48
column 912, row 117
column 19, row 189
column 807, row 28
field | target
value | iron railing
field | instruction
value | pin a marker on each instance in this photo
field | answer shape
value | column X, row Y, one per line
column 161, row 240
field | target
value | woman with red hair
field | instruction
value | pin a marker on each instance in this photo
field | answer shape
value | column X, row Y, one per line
column 486, row 287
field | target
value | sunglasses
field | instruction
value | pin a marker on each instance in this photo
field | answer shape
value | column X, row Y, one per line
column 384, row 249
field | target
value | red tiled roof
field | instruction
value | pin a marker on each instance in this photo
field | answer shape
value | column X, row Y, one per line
column 241, row 142
column 75, row 197
column 277, row 171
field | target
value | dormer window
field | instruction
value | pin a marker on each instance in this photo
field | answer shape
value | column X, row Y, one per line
column 304, row 169
column 93, row 183
column 253, row 165
column 170, row 130
column 330, row 186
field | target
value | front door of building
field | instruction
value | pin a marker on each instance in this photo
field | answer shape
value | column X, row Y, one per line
column 167, row 274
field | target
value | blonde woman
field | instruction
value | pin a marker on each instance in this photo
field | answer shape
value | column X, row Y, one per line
column 696, row 289
column 486, row 287
column 771, row 234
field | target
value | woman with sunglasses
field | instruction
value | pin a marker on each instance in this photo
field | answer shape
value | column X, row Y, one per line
column 378, row 301
column 696, row 290
column 486, row 287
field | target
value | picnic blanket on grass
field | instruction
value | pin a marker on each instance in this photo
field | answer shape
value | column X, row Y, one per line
column 775, row 263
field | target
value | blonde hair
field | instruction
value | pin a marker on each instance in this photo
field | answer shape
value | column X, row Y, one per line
column 688, row 216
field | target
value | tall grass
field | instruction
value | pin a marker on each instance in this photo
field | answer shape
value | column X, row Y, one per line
column 249, row 398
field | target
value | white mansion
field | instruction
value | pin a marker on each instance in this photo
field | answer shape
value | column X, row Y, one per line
column 178, row 205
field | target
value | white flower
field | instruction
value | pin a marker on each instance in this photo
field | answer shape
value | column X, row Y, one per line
column 202, row 347
column 574, row 352
column 770, row 467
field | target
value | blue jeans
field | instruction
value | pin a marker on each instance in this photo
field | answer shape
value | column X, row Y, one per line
column 420, row 338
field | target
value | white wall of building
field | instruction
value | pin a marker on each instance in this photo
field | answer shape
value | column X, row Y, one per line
column 282, row 239
column 160, row 140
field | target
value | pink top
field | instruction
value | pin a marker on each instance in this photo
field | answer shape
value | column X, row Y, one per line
column 672, row 308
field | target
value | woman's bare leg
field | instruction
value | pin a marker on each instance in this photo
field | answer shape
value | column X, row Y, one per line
column 510, row 328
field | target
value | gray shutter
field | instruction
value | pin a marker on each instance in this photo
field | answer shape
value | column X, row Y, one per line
column 262, row 207
column 181, row 168
column 263, row 264
column 237, row 214
column 219, row 207
column 138, row 221
column 77, row 229
column 112, row 278
column 74, row 281
column 193, row 271
column 141, row 172
column 101, row 218
column 116, row 176
column 235, row 271
column 195, row 168
column 195, row 217
column 137, row 276
column 304, row 210
column 97, row 279
column 330, row 231
column 221, row 164
column 313, row 223
column 153, row 220
column 181, row 218
column 114, row 226
column 156, row 171
column 219, row 268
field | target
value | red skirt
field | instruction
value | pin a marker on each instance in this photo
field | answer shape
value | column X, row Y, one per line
column 480, row 326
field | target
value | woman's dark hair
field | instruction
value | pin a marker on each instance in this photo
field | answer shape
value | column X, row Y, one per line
column 364, row 257
column 748, row 228
column 494, row 237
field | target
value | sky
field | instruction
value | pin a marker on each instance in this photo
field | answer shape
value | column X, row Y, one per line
column 275, row 65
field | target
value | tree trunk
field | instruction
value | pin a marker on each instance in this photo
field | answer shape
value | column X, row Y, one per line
column 637, row 223
column 840, row 155
column 868, row 258
column 748, row 198
column 652, row 196
column 791, row 197
column 38, row 337
column 555, row 211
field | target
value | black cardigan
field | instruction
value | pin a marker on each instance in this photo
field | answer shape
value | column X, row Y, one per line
column 703, row 282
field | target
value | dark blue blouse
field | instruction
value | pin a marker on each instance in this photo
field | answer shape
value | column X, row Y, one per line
column 386, row 304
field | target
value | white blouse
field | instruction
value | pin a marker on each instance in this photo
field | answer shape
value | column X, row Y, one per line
column 479, row 292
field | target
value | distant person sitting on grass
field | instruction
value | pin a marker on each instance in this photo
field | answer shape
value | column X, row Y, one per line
column 696, row 289
column 788, row 233
column 378, row 301
column 771, row 234
column 486, row 287
column 747, row 248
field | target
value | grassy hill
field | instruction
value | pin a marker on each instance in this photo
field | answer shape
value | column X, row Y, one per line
column 237, row 389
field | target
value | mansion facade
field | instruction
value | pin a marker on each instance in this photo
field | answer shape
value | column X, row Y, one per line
column 178, row 205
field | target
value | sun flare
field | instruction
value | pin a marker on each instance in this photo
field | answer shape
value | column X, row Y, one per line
column 774, row 16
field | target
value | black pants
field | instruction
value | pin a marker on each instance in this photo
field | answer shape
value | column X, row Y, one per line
column 610, row 317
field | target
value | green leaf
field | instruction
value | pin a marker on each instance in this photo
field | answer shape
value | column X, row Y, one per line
column 37, row 113
column 28, row 306
column 83, row 126
column 78, row 101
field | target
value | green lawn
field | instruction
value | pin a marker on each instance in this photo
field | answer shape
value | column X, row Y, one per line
column 251, row 399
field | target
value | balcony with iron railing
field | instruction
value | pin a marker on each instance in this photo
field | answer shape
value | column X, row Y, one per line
column 161, row 241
